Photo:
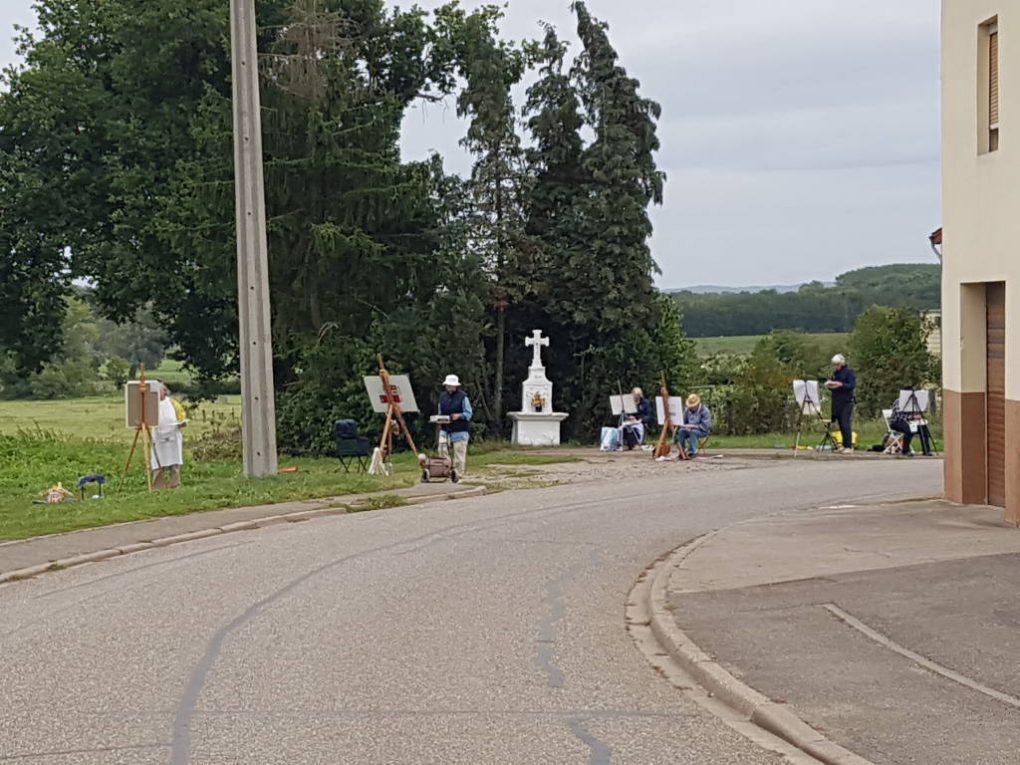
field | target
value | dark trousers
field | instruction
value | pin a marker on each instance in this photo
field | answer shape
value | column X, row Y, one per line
column 922, row 430
column 844, row 415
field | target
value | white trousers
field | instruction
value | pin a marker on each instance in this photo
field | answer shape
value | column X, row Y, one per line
column 459, row 455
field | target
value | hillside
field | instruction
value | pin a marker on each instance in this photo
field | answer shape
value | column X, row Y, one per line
column 814, row 307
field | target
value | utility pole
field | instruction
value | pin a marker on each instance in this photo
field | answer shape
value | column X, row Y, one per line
column 258, row 405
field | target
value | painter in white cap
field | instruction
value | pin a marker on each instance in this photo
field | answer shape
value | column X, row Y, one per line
column 454, row 403
column 843, row 384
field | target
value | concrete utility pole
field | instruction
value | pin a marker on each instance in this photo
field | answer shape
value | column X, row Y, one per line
column 258, row 412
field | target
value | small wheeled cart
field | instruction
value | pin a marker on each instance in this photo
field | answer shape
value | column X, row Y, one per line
column 436, row 469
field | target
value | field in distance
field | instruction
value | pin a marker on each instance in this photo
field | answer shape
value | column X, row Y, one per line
column 741, row 345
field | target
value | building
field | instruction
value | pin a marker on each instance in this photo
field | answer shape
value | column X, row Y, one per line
column 981, row 251
column 933, row 332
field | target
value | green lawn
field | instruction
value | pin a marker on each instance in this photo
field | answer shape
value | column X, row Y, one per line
column 101, row 417
column 869, row 432
column 741, row 345
column 45, row 442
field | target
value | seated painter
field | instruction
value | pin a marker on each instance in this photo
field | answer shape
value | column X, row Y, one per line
column 910, row 424
column 697, row 423
column 636, row 426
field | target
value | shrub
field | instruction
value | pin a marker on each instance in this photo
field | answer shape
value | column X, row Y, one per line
column 889, row 352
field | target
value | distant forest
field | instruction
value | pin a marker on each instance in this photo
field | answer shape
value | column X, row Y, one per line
column 814, row 307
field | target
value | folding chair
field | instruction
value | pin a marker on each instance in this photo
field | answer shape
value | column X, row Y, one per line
column 893, row 438
column 351, row 448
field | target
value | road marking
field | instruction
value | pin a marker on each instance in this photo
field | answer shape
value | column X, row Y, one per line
column 933, row 666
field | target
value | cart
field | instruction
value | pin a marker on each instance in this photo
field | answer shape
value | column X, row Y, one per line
column 437, row 469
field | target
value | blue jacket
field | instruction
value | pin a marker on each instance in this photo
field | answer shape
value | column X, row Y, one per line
column 845, row 395
column 701, row 417
column 644, row 412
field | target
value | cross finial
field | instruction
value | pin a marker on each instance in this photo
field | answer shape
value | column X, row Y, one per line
column 536, row 341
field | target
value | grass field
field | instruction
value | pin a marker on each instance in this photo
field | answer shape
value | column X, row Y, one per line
column 740, row 345
column 43, row 442
column 102, row 417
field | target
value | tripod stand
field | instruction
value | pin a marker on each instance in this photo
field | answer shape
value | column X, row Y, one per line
column 916, row 409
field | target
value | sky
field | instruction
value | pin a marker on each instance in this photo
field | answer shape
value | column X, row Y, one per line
column 800, row 138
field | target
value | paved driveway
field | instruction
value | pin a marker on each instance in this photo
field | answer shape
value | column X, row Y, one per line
column 478, row 631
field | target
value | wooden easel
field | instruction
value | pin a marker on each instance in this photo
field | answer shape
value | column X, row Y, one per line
column 395, row 424
column 142, row 427
column 665, row 446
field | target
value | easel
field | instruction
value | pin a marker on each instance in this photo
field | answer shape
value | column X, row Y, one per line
column 395, row 424
column 917, row 415
column 665, row 446
column 142, row 427
column 808, row 407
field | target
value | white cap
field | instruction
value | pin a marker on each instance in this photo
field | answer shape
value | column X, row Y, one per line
column 839, row 358
column 451, row 381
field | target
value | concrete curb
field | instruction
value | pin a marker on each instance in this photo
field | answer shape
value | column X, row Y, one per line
column 778, row 719
column 258, row 523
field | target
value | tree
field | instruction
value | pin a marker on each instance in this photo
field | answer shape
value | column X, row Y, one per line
column 490, row 68
column 587, row 219
column 889, row 352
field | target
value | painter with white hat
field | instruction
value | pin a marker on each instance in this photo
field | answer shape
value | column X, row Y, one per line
column 843, row 384
column 454, row 403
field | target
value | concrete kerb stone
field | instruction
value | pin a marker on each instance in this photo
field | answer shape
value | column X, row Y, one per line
column 301, row 515
column 778, row 719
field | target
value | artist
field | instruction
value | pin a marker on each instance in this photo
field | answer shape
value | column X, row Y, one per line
column 636, row 427
column 454, row 403
column 906, row 423
column 842, row 385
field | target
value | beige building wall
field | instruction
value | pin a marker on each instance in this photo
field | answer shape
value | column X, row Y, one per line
column 981, row 240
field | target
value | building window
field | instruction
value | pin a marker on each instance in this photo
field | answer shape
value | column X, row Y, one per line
column 989, row 95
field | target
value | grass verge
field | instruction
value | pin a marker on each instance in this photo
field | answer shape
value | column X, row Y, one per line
column 32, row 461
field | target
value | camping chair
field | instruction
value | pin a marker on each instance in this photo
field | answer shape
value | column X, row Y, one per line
column 351, row 448
column 86, row 480
column 893, row 438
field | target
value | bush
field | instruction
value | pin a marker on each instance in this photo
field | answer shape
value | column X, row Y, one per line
column 64, row 379
column 889, row 353
column 221, row 442
column 118, row 371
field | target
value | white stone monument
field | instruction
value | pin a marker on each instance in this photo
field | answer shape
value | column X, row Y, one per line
column 537, row 424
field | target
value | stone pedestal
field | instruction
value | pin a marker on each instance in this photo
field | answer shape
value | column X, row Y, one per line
column 537, row 429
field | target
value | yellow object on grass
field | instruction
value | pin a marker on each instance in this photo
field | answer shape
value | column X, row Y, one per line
column 837, row 437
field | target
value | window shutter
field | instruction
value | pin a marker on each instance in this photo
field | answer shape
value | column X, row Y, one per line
column 993, row 79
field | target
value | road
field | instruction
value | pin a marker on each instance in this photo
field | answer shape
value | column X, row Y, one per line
column 479, row 631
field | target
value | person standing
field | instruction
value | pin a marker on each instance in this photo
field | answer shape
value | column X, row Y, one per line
column 843, row 384
column 167, row 442
column 454, row 403
column 696, row 425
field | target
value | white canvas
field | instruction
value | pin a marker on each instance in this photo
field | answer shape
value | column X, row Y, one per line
column 623, row 404
column 907, row 405
column 676, row 410
column 400, row 386
column 807, row 395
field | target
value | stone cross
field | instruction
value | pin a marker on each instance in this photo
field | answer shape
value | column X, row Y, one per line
column 536, row 341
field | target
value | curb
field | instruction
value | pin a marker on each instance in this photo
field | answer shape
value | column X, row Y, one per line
column 271, row 520
column 778, row 719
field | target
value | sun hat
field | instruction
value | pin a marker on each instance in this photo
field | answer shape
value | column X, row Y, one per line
column 451, row 381
column 839, row 358
column 693, row 401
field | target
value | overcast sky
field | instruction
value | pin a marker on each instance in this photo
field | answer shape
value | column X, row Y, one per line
column 800, row 137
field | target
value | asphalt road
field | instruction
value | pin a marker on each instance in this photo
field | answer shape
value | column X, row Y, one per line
column 478, row 631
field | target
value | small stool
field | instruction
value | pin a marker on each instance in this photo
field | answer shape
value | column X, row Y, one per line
column 85, row 480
